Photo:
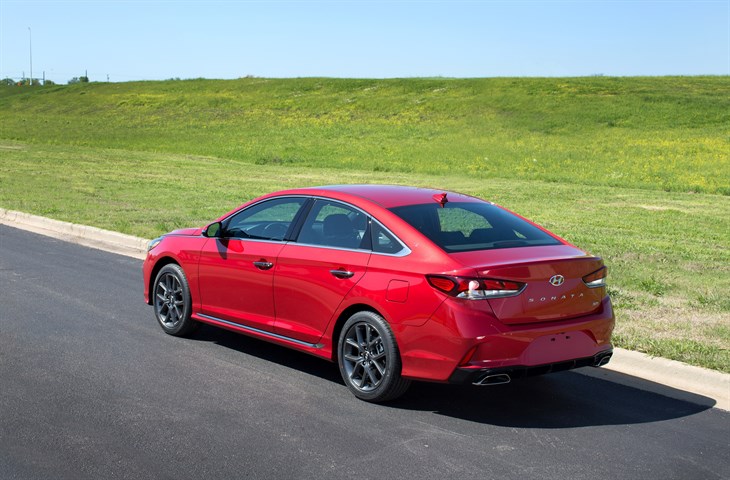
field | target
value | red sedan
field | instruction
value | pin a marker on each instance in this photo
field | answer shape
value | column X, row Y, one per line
column 393, row 283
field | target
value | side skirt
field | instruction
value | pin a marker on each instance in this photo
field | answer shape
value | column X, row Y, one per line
column 316, row 349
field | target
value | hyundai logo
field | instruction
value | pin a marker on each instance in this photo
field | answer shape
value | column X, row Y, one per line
column 556, row 280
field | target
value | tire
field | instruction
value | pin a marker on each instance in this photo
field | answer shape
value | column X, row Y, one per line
column 172, row 302
column 369, row 360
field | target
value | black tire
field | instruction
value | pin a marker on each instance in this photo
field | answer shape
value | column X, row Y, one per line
column 369, row 360
column 172, row 302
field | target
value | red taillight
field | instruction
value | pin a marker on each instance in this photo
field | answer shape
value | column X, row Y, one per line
column 475, row 288
column 490, row 284
column 441, row 283
column 596, row 279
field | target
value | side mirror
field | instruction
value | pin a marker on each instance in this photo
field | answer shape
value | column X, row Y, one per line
column 213, row 230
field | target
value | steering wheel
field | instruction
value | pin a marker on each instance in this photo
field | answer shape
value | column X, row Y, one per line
column 275, row 231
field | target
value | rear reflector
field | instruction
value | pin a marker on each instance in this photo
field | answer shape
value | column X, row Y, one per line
column 475, row 288
column 596, row 279
column 467, row 357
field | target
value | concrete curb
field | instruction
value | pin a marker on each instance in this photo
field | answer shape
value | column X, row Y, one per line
column 665, row 377
column 114, row 242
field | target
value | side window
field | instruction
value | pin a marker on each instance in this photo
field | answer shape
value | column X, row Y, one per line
column 383, row 241
column 333, row 224
column 268, row 220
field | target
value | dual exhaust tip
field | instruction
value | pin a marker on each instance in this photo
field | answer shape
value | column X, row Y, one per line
column 603, row 359
column 495, row 379
column 502, row 378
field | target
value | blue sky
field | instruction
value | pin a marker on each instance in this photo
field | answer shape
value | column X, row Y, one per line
column 145, row 40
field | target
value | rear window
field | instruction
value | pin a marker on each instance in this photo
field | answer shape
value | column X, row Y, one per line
column 463, row 227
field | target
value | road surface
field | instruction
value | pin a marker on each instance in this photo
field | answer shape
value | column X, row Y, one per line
column 90, row 387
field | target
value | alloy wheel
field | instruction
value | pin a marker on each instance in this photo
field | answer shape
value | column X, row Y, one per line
column 169, row 300
column 364, row 356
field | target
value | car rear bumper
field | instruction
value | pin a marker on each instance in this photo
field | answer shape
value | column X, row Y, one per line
column 495, row 376
column 458, row 344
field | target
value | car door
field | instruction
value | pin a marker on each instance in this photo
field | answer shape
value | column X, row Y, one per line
column 315, row 273
column 236, row 269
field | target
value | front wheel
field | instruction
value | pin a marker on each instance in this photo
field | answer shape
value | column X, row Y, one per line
column 172, row 301
column 369, row 360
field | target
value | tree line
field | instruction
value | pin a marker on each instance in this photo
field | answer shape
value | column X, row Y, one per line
column 11, row 82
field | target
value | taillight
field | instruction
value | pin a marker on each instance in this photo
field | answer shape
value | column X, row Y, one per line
column 475, row 288
column 596, row 279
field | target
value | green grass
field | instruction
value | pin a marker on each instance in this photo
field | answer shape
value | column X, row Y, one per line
column 635, row 170
column 668, row 253
column 668, row 133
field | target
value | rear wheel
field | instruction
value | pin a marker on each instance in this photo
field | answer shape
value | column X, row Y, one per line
column 369, row 359
column 172, row 301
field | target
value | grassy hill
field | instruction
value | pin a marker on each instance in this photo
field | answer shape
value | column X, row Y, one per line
column 636, row 170
column 667, row 133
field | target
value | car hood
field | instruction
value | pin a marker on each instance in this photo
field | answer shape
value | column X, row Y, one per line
column 187, row 231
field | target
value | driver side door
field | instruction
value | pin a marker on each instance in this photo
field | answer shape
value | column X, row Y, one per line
column 236, row 269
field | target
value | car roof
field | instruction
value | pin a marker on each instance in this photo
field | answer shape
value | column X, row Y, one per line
column 387, row 196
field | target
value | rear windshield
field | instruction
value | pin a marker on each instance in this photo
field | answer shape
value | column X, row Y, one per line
column 463, row 227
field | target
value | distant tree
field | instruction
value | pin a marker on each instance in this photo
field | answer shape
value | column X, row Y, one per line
column 74, row 81
column 84, row 79
column 7, row 81
column 49, row 82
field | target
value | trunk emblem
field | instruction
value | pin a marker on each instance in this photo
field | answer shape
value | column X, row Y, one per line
column 556, row 280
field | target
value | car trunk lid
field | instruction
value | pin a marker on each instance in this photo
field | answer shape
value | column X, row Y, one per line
column 553, row 277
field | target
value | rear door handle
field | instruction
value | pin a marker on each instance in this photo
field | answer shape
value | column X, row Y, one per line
column 342, row 273
column 263, row 265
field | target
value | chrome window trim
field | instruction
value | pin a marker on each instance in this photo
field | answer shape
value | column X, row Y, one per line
column 360, row 250
column 404, row 248
column 402, row 253
column 257, row 240
column 405, row 251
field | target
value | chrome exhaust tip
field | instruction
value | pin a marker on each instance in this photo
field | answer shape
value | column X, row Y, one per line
column 497, row 379
column 603, row 360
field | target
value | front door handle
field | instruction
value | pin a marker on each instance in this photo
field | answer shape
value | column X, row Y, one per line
column 262, row 265
column 342, row 273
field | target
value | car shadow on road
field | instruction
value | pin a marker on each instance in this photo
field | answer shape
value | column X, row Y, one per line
column 560, row 400
column 287, row 357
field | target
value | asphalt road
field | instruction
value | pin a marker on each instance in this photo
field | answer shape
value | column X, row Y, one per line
column 90, row 387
